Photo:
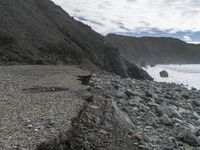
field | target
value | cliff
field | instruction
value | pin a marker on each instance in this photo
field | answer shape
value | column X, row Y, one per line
column 40, row 32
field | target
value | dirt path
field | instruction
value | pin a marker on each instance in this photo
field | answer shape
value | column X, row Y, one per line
column 37, row 103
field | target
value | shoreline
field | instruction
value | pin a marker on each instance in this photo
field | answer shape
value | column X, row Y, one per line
column 130, row 114
column 187, row 75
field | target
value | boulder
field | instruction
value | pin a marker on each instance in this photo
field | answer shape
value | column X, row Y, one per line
column 164, row 74
column 118, row 119
column 187, row 135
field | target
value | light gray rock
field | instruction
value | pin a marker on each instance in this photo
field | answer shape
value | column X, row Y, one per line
column 119, row 119
column 195, row 115
column 166, row 120
column 176, row 120
column 187, row 135
column 135, row 101
column 169, row 110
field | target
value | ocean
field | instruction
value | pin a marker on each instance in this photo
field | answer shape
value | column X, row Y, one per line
column 189, row 75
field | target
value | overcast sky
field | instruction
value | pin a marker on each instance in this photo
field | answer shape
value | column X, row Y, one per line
column 174, row 18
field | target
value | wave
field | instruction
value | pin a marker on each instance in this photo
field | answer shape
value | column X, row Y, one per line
column 188, row 75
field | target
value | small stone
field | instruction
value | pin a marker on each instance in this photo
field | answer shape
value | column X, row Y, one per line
column 195, row 116
column 176, row 120
column 50, row 124
column 29, row 126
column 152, row 104
column 149, row 128
column 166, row 120
column 196, row 102
column 36, row 130
column 142, row 147
column 129, row 93
column 98, row 87
column 134, row 102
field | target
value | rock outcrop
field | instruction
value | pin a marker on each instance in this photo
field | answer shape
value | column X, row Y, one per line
column 156, row 50
column 40, row 32
column 164, row 74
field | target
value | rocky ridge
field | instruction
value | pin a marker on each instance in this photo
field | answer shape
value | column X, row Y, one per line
column 156, row 50
column 124, row 113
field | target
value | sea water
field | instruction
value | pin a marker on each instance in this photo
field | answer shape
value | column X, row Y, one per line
column 189, row 75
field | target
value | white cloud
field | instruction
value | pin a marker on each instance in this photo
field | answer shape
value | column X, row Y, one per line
column 187, row 38
column 136, row 15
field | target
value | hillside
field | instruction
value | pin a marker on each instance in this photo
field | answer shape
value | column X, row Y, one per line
column 155, row 50
column 40, row 32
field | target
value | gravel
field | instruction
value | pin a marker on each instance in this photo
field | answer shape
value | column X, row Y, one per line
column 37, row 103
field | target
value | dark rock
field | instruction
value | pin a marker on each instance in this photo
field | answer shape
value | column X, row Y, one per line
column 84, row 79
column 29, row 126
column 196, row 102
column 164, row 74
column 50, row 124
column 185, row 96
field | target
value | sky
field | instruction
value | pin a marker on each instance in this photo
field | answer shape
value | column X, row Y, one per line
column 168, row 18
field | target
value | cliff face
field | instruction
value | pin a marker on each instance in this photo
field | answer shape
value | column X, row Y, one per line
column 40, row 32
column 156, row 50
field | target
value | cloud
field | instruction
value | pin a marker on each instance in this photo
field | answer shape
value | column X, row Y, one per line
column 187, row 38
column 110, row 16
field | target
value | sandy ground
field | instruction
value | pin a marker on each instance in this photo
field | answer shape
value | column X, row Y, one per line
column 37, row 103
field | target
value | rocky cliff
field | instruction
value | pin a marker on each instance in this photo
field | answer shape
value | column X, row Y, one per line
column 40, row 32
column 156, row 50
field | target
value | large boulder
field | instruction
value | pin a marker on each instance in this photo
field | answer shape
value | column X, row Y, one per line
column 164, row 74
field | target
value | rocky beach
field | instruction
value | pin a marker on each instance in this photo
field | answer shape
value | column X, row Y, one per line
column 66, row 86
column 123, row 113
